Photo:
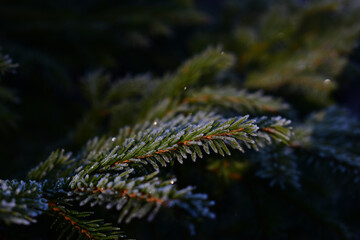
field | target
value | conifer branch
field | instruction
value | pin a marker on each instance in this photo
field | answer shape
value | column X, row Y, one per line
column 160, row 146
column 171, row 89
column 238, row 100
column 137, row 197
column 159, row 143
column 71, row 222
column 53, row 166
column 209, row 62
column 276, row 128
column 315, row 87
column 98, row 148
column 21, row 202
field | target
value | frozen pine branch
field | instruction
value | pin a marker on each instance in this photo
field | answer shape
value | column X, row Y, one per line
column 21, row 202
column 160, row 146
column 137, row 197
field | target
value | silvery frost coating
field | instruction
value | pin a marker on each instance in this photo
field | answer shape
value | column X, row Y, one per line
column 21, row 202
column 138, row 197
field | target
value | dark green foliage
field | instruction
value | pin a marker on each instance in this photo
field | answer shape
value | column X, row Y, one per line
column 71, row 223
column 102, row 173
column 55, row 161
column 228, row 98
column 313, row 38
column 248, row 118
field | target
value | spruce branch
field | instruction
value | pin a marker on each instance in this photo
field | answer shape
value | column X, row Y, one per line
column 130, row 88
column 276, row 128
column 233, row 99
column 209, row 62
column 72, row 222
column 101, row 172
column 147, row 98
column 160, row 146
column 275, row 162
column 137, row 197
column 52, row 167
column 21, row 202
column 171, row 89
column 98, row 149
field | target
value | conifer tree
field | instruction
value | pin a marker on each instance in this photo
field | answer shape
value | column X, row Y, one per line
column 222, row 147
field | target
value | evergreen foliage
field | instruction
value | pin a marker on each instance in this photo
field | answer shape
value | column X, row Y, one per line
column 251, row 123
column 21, row 201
